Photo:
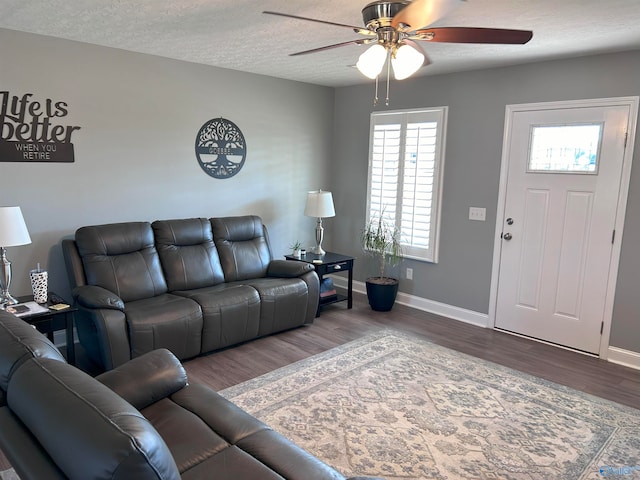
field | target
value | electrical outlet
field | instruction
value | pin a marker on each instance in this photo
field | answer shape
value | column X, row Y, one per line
column 409, row 274
column 477, row 213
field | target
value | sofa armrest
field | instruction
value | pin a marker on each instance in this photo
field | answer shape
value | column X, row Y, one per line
column 288, row 269
column 146, row 379
column 23, row 451
column 91, row 296
column 86, row 428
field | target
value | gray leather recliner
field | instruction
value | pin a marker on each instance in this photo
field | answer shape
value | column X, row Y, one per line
column 141, row 420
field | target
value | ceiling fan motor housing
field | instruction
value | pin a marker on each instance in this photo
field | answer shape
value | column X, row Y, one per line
column 379, row 14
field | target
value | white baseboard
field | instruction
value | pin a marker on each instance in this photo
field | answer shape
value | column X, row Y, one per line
column 426, row 305
column 623, row 357
column 617, row 355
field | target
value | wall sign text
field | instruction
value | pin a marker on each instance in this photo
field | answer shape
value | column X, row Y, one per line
column 33, row 131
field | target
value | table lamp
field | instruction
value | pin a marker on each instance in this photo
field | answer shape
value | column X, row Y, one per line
column 319, row 205
column 13, row 232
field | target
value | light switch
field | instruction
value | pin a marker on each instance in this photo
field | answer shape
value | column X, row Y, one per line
column 477, row 213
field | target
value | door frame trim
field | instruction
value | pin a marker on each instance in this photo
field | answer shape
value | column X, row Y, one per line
column 632, row 103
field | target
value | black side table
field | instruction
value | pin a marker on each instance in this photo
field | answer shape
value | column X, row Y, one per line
column 52, row 321
column 326, row 264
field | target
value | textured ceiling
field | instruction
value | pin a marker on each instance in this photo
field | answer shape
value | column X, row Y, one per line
column 235, row 34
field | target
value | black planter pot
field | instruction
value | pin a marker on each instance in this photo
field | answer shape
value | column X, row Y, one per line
column 382, row 293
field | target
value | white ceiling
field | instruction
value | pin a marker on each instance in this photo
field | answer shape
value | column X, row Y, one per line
column 235, row 34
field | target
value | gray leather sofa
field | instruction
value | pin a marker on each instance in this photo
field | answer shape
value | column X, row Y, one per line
column 189, row 285
column 141, row 420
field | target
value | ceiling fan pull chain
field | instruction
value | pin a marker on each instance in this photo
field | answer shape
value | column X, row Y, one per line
column 375, row 99
column 388, row 75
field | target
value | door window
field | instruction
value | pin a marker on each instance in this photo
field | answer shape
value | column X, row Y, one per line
column 565, row 148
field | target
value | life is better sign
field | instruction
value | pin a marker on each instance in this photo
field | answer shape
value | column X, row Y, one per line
column 33, row 130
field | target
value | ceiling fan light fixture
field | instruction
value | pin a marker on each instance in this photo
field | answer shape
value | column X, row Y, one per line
column 372, row 60
column 406, row 61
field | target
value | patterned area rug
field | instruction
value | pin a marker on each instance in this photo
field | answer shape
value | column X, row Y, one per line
column 9, row 475
column 401, row 408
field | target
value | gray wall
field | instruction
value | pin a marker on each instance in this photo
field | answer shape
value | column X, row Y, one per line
column 477, row 103
column 135, row 155
column 135, row 160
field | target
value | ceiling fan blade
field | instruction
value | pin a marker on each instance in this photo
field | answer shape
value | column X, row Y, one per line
column 360, row 30
column 421, row 13
column 329, row 47
column 474, row 35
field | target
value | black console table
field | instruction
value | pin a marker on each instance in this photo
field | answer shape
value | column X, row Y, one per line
column 327, row 264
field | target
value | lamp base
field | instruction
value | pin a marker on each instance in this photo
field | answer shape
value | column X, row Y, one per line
column 7, row 299
column 319, row 236
column 318, row 251
column 5, row 279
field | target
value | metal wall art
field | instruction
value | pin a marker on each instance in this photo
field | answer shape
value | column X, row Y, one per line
column 221, row 148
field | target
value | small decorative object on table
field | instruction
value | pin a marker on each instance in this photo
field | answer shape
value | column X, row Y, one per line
column 39, row 284
column 296, row 248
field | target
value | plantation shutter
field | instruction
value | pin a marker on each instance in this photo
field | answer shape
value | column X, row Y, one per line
column 405, row 165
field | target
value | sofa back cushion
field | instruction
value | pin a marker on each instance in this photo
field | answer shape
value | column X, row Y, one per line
column 86, row 429
column 242, row 246
column 188, row 255
column 122, row 258
column 19, row 342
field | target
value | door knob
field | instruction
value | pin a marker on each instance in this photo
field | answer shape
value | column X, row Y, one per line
column 509, row 221
column 507, row 236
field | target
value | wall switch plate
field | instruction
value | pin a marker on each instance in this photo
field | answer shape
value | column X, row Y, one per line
column 409, row 274
column 477, row 213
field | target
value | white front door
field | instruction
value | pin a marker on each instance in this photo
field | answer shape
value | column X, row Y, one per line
column 563, row 183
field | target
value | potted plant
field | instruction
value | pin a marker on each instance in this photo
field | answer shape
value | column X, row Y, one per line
column 296, row 247
column 381, row 239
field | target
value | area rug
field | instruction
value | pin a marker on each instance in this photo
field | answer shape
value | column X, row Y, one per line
column 394, row 406
column 9, row 475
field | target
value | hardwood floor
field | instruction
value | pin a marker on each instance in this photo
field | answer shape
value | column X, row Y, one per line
column 337, row 326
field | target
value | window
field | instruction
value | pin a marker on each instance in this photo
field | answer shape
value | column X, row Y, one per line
column 406, row 160
column 565, row 148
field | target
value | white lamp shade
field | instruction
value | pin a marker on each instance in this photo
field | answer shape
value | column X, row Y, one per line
column 13, row 230
column 406, row 61
column 372, row 60
column 319, row 204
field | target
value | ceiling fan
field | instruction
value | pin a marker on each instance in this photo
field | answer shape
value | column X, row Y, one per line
column 393, row 27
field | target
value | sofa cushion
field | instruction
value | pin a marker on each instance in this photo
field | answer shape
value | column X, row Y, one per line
column 230, row 314
column 122, row 258
column 166, row 321
column 233, row 463
column 19, row 342
column 242, row 246
column 283, row 303
column 248, row 449
column 202, row 428
column 187, row 252
column 84, row 426
column 199, row 449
